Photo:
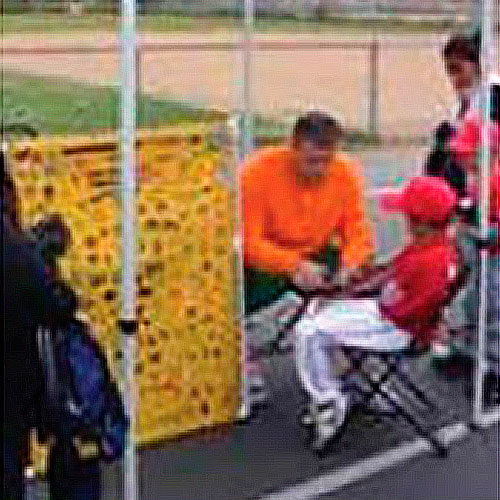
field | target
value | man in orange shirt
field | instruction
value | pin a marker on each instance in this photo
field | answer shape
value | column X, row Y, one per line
column 300, row 202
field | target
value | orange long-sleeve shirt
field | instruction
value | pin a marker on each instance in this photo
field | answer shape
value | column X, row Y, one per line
column 286, row 221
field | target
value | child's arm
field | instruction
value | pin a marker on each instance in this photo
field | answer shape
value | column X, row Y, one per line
column 414, row 295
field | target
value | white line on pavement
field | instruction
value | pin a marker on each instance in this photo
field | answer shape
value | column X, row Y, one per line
column 340, row 478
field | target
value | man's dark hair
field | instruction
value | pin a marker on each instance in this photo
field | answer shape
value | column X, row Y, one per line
column 318, row 128
column 464, row 47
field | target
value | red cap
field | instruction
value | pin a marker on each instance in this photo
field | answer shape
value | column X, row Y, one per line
column 424, row 199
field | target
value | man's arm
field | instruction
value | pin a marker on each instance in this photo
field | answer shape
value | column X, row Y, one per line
column 357, row 247
column 260, row 252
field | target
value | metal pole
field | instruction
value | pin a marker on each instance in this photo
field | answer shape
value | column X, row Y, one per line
column 373, row 118
column 247, row 77
column 138, row 69
column 127, row 157
column 487, row 21
column 245, row 141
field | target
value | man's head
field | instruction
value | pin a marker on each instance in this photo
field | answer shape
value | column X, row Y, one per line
column 462, row 60
column 315, row 139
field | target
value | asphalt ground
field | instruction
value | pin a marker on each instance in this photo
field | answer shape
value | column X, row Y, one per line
column 271, row 452
column 470, row 472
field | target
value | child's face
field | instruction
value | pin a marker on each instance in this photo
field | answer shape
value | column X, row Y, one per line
column 462, row 73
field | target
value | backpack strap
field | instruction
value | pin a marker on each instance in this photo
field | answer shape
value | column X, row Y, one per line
column 47, row 355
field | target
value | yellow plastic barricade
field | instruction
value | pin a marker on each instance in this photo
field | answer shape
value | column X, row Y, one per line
column 187, row 363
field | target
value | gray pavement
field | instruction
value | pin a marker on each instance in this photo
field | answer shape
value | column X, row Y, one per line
column 267, row 454
column 470, row 472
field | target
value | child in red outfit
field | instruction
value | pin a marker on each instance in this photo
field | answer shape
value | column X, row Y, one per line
column 466, row 147
column 419, row 279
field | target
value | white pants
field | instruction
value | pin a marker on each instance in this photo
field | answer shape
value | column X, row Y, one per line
column 326, row 372
column 322, row 368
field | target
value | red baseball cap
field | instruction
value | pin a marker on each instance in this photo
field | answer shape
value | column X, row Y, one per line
column 425, row 199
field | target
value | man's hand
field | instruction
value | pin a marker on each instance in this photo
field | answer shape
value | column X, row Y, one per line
column 349, row 275
column 309, row 275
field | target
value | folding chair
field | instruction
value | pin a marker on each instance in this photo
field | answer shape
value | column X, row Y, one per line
column 375, row 354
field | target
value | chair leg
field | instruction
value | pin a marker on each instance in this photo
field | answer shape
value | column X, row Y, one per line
column 377, row 388
column 418, row 426
column 409, row 384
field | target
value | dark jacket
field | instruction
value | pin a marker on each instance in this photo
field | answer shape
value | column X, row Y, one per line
column 28, row 301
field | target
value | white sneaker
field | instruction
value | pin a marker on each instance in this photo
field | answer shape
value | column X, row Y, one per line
column 306, row 418
column 328, row 420
column 324, row 435
column 440, row 350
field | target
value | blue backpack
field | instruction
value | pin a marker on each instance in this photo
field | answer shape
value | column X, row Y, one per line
column 81, row 400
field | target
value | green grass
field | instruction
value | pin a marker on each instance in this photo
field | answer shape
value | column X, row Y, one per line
column 62, row 107
column 57, row 106
column 166, row 23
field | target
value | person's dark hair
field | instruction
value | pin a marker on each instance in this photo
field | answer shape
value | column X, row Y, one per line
column 9, row 196
column 52, row 237
column 464, row 47
column 318, row 128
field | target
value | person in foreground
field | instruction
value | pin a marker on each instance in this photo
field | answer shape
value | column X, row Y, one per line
column 28, row 301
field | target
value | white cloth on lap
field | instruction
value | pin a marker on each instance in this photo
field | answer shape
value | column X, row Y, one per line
column 330, row 325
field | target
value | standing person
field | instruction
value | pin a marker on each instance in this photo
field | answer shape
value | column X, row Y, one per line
column 301, row 202
column 466, row 146
column 462, row 60
column 461, row 56
column 27, row 303
column 32, row 297
column 71, row 476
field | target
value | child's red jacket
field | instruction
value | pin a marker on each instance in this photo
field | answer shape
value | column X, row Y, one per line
column 419, row 285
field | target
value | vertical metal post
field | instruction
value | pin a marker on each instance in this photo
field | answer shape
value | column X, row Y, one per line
column 245, row 126
column 373, row 109
column 128, row 159
column 487, row 20
column 138, row 85
column 247, row 77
